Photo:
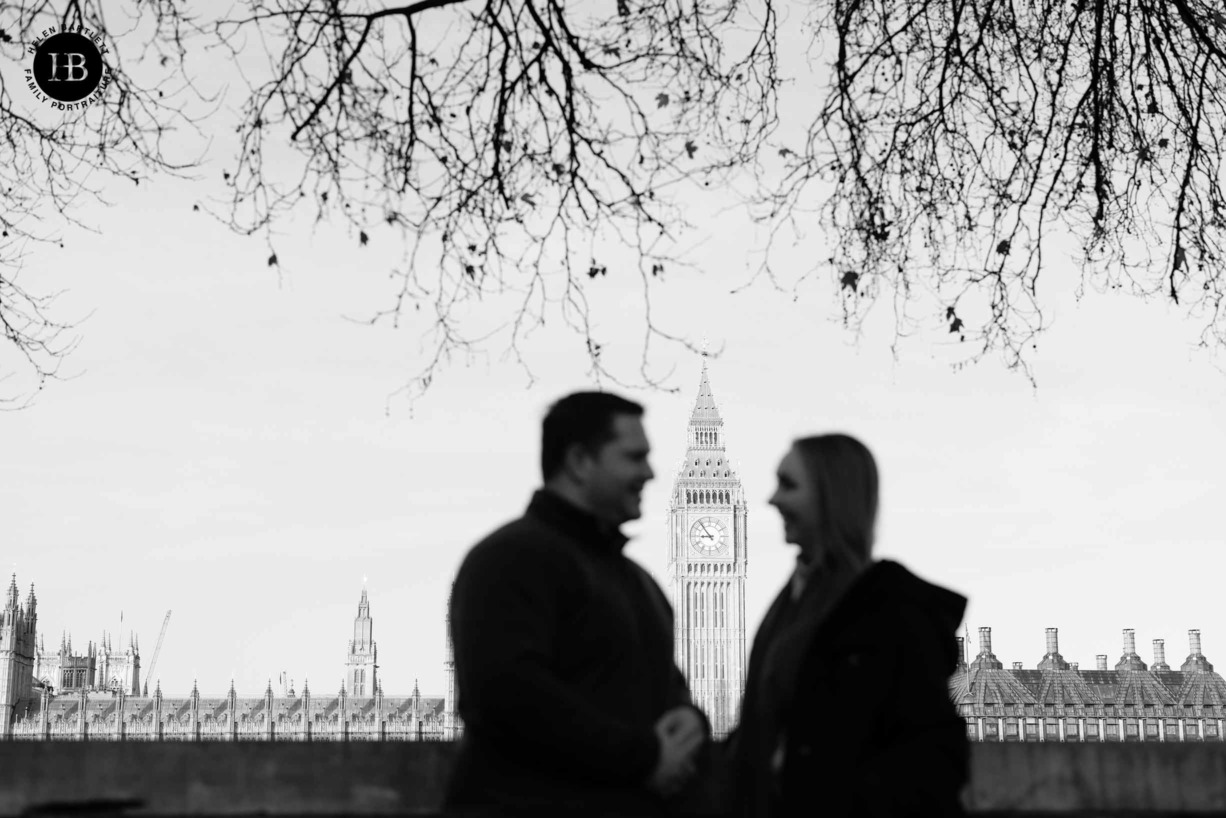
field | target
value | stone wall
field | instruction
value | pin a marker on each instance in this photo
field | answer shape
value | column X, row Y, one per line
column 405, row 778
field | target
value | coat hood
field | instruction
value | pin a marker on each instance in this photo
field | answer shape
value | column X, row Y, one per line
column 942, row 607
column 947, row 606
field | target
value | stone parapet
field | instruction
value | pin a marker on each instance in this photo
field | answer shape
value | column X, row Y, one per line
column 397, row 778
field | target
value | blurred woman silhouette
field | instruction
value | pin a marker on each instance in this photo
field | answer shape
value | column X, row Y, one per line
column 846, row 710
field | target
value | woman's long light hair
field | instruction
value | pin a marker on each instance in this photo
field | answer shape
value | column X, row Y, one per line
column 844, row 477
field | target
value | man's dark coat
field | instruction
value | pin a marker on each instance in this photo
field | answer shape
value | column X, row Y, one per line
column 870, row 729
column 564, row 662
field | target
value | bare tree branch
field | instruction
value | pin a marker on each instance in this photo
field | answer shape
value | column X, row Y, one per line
column 962, row 137
column 46, row 159
column 494, row 135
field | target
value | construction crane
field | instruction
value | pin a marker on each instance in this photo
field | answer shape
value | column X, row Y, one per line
column 156, row 650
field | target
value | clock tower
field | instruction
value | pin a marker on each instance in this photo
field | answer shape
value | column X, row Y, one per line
column 707, row 558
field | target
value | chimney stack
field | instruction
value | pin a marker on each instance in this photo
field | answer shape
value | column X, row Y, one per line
column 1017, row 665
column 1196, row 660
column 961, row 651
column 1052, row 660
column 1075, row 665
column 1130, row 660
column 1160, row 656
column 985, row 660
column 1102, row 661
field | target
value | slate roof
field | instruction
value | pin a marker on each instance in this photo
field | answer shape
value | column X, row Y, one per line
column 1133, row 689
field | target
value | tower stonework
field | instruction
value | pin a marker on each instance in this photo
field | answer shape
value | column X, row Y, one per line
column 18, row 627
column 116, row 670
column 362, row 664
column 707, row 562
column 451, row 719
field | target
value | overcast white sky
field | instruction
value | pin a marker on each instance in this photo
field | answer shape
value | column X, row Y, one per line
column 225, row 451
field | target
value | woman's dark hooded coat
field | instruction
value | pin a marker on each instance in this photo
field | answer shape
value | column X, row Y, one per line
column 847, row 711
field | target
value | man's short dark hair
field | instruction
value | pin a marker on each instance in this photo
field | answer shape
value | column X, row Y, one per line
column 583, row 418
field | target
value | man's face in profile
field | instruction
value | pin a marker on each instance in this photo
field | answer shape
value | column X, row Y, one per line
column 618, row 470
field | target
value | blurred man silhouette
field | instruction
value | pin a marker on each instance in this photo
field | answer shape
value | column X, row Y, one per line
column 570, row 697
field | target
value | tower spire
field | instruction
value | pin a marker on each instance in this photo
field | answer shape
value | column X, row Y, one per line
column 362, row 666
column 705, row 410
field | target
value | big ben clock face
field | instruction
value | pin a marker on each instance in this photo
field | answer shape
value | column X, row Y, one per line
column 709, row 536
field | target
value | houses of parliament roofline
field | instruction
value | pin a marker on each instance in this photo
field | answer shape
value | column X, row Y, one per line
column 1058, row 701
column 96, row 694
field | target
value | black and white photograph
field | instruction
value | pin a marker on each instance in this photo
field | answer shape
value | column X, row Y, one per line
column 739, row 408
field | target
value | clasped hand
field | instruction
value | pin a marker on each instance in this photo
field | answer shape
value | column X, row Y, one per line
column 681, row 735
